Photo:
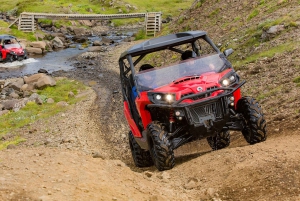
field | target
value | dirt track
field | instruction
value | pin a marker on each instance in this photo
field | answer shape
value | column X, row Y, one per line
column 83, row 154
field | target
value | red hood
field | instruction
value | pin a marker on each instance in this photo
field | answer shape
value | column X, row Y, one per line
column 193, row 84
column 17, row 50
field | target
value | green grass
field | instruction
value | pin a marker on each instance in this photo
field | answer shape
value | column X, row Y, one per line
column 253, row 14
column 297, row 81
column 32, row 112
column 267, row 53
column 269, row 93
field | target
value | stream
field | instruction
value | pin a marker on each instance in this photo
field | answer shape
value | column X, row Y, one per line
column 51, row 61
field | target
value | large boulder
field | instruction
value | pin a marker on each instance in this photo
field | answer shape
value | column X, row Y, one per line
column 79, row 31
column 34, row 50
column 38, row 44
column 44, row 82
column 33, row 78
column 57, row 43
column 17, row 84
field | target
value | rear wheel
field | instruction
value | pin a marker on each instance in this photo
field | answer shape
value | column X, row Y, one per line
column 255, row 128
column 161, row 147
column 220, row 141
column 140, row 157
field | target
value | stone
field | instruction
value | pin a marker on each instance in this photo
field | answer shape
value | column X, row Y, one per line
column 148, row 174
column 79, row 31
column 96, row 49
column 9, row 104
column 42, row 71
column 71, row 94
column 14, row 95
column 97, row 43
column 50, row 100
column 97, row 155
column 62, row 104
column 2, row 83
column 191, row 184
column 33, row 78
column 17, row 84
column 38, row 44
column 34, row 50
column 57, row 43
column 2, row 112
column 11, row 146
column 45, row 81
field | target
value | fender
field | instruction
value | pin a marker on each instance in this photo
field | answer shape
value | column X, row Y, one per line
column 133, row 127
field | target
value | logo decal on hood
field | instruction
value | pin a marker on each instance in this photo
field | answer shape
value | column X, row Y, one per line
column 199, row 89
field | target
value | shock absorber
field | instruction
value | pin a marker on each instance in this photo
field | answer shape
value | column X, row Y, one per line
column 171, row 121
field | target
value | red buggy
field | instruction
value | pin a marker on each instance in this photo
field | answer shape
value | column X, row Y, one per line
column 192, row 99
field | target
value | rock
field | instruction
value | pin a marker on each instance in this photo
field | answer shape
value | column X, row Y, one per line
column 86, row 23
column 45, row 81
column 2, row 83
column 42, row 71
column 33, row 50
column 191, row 184
column 57, row 43
column 11, row 146
column 211, row 192
column 97, row 43
column 38, row 44
column 97, row 155
column 50, row 100
column 80, row 39
column 148, row 174
column 2, row 112
column 96, row 49
column 17, row 85
column 107, row 40
column 71, row 94
column 79, row 31
column 27, row 87
column 33, row 78
column 9, row 104
column 62, row 104
column 14, row 95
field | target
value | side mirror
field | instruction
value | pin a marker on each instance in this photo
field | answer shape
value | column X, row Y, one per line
column 228, row 52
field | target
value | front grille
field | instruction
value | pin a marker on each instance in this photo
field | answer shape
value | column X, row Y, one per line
column 196, row 97
column 199, row 111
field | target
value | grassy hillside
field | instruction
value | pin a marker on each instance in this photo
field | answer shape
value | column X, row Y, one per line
column 270, row 65
column 168, row 7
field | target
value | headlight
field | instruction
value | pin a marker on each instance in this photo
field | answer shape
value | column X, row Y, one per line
column 169, row 97
column 160, row 98
column 229, row 79
column 225, row 82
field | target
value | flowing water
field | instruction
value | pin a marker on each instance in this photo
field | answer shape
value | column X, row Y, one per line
column 51, row 61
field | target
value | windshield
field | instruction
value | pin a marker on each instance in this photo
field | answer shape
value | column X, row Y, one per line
column 157, row 77
column 13, row 43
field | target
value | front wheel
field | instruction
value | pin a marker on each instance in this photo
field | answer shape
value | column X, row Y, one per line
column 255, row 123
column 161, row 147
column 10, row 58
column 140, row 157
column 220, row 141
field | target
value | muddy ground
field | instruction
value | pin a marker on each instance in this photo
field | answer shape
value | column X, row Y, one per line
column 83, row 154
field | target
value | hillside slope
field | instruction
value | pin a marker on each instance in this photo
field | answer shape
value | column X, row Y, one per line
column 270, row 65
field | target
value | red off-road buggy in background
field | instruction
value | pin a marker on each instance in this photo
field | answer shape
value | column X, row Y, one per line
column 10, row 49
column 187, row 100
